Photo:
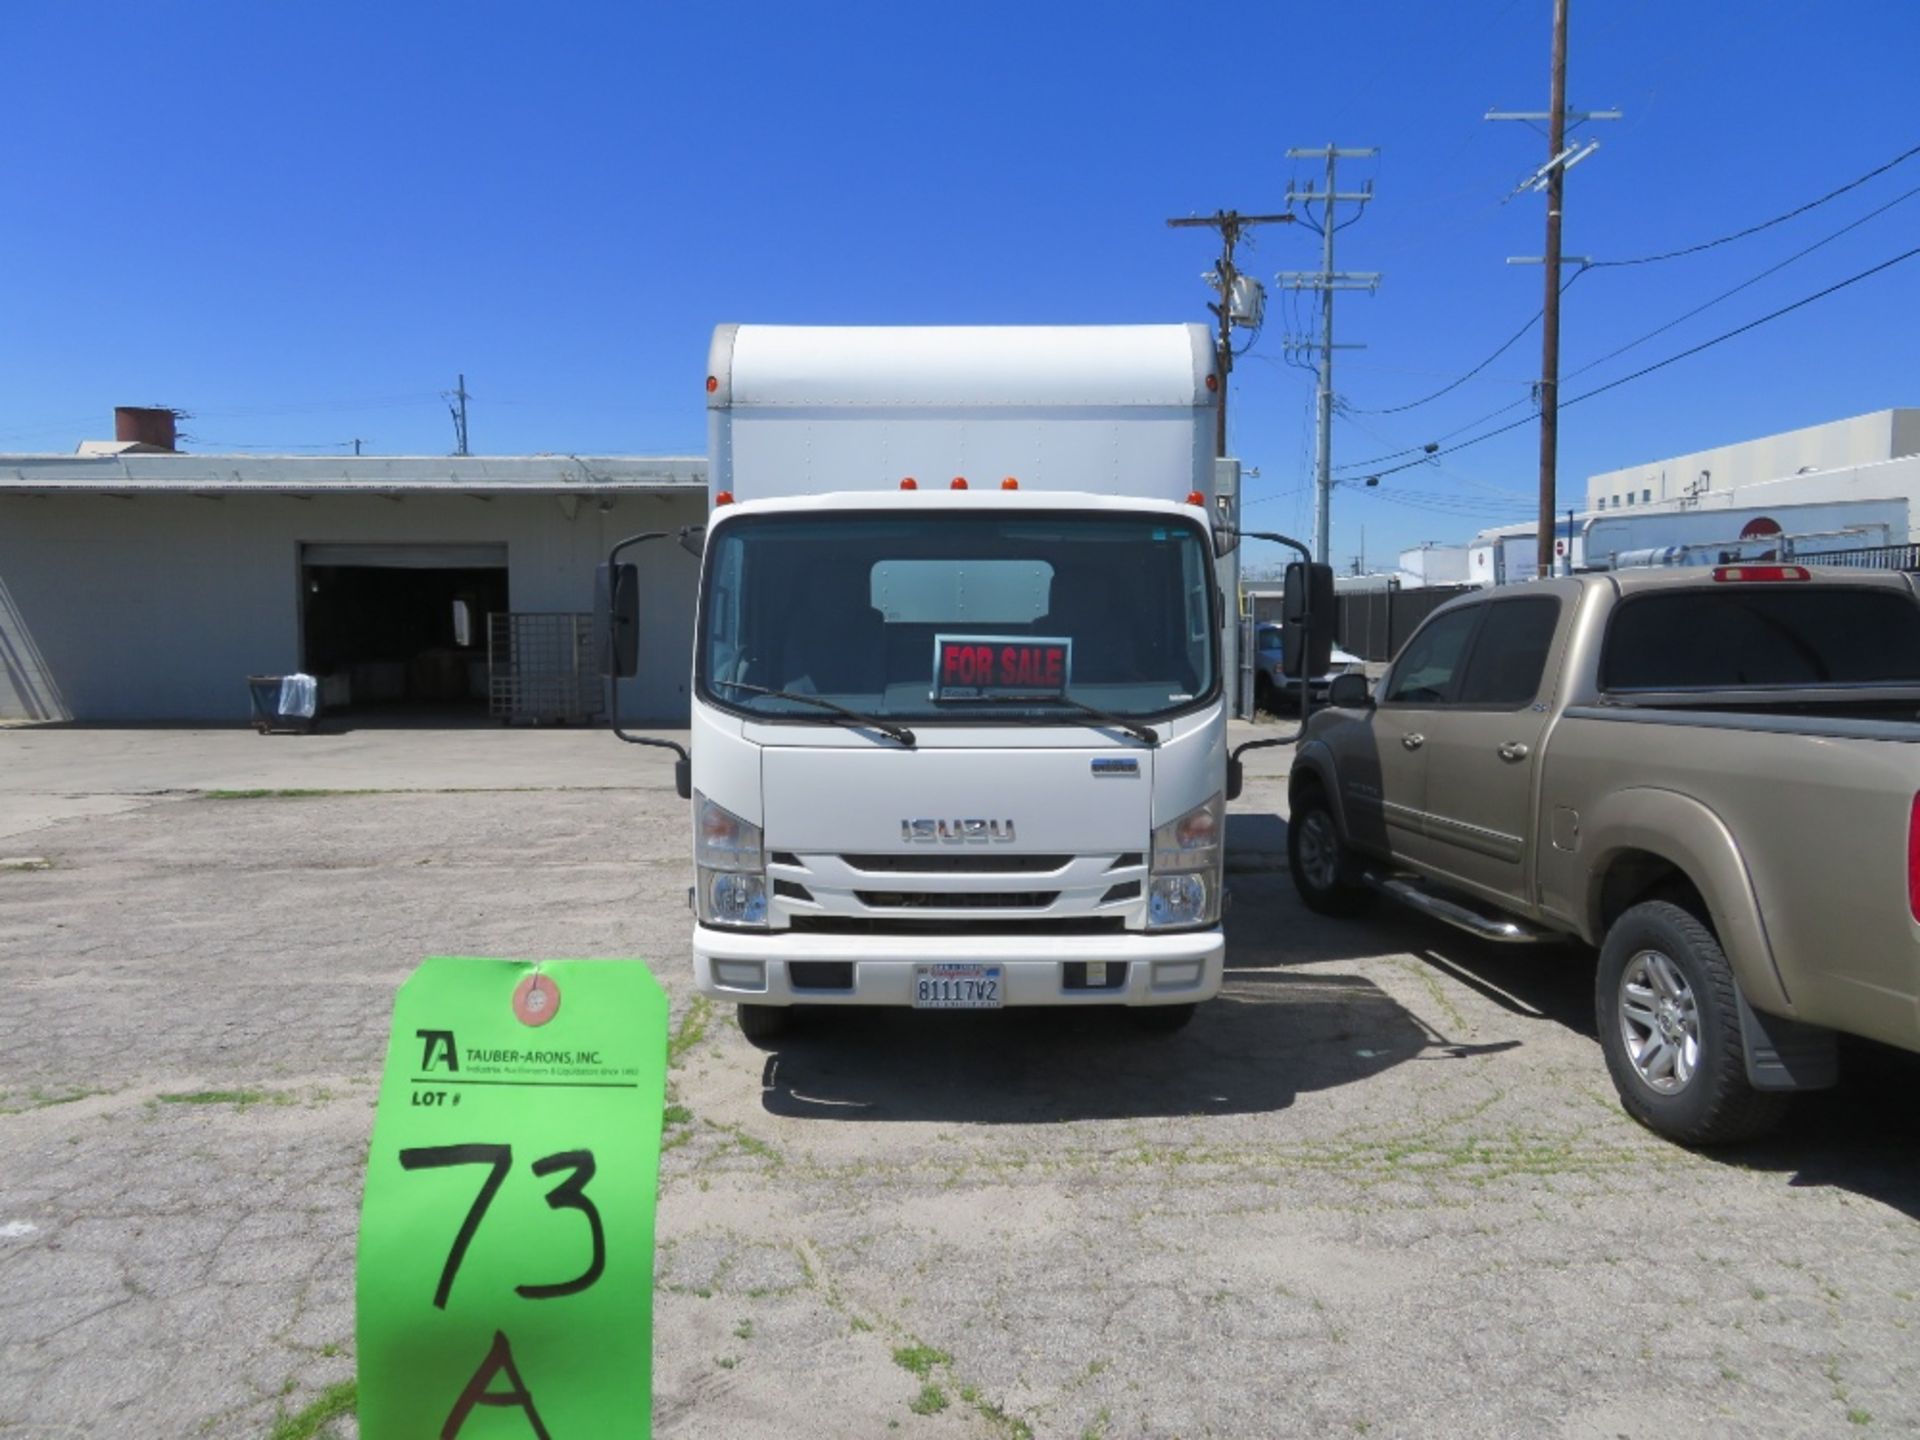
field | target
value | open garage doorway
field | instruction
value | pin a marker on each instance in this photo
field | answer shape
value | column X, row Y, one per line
column 401, row 630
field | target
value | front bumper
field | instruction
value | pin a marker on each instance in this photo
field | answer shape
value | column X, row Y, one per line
column 1177, row 969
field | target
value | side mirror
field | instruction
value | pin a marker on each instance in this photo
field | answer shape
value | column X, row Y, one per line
column 1307, row 613
column 1350, row 692
column 693, row 539
column 617, row 591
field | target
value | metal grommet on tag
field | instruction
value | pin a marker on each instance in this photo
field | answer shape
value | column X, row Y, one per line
column 536, row 999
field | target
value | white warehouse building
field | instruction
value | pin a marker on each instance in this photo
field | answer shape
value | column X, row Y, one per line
column 140, row 584
column 1849, row 485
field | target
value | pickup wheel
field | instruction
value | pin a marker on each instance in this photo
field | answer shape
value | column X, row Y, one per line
column 1325, row 871
column 1669, row 1021
column 764, row 1024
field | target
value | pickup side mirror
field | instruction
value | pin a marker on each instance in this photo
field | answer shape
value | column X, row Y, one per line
column 1307, row 620
column 617, row 592
column 1350, row 692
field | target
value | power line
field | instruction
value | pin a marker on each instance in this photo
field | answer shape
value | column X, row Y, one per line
column 1673, row 359
column 457, row 408
column 1432, row 447
column 1552, row 179
column 1505, row 346
column 1853, row 184
column 1751, row 281
column 1238, row 305
column 1327, row 280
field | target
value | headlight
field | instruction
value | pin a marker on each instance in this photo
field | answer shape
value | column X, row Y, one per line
column 1184, row 889
column 730, row 866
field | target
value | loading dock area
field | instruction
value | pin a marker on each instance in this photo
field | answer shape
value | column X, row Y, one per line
column 146, row 587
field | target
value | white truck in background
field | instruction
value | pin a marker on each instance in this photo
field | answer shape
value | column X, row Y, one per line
column 959, row 711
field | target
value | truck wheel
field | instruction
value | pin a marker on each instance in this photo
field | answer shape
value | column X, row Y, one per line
column 1325, row 871
column 764, row 1024
column 1669, row 1021
column 1161, row 1019
column 1262, row 694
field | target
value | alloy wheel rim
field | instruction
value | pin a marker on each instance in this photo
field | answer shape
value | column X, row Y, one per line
column 1659, row 1022
column 1317, row 850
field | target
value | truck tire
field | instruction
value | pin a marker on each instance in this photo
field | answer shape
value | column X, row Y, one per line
column 1161, row 1019
column 1669, row 1018
column 1326, row 871
column 1263, row 695
column 764, row 1024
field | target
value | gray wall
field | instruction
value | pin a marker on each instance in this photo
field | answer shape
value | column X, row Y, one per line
column 157, row 607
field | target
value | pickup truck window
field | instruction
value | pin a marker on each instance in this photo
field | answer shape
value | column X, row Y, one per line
column 1740, row 638
column 1510, row 653
column 1427, row 671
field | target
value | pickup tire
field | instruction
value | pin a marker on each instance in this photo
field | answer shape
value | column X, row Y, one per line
column 1668, row 1012
column 1326, row 871
column 764, row 1024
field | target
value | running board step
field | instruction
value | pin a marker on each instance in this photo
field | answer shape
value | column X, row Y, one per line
column 1501, row 931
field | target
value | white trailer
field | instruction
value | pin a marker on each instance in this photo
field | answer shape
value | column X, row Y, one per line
column 959, row 724
column 1703, row 536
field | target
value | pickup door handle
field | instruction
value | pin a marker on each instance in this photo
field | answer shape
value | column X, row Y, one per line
column 1513, row 752
column 1413, row 742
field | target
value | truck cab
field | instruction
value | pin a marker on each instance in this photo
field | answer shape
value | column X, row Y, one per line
column 958, row 708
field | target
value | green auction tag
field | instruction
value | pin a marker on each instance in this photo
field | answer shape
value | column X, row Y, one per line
column 506, row 1234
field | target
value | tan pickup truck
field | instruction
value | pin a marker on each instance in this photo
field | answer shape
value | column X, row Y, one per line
column 1712, row 776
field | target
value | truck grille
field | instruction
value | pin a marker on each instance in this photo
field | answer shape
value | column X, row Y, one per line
column 962, row 891
column 903, row 925
column 956, row 899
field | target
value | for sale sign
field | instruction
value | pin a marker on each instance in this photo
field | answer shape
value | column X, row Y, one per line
column 996, row 667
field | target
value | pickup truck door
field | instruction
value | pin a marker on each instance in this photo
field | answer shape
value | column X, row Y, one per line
column 1383, row 765
column 1482, row 753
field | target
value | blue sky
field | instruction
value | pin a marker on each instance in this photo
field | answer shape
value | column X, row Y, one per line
column 300, row 221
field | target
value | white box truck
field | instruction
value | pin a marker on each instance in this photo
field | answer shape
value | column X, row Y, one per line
column 959, row 721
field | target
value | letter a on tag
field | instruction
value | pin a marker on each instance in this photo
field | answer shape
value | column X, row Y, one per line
column 499, row 1361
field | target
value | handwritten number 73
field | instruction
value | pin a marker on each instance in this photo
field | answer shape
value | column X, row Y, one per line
column 569, row 1194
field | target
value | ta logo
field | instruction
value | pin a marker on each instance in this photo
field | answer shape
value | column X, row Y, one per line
column 437, row 1045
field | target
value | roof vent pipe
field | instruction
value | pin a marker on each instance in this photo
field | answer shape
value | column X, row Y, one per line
column 144, row 425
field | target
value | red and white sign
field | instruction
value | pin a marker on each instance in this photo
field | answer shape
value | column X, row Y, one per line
column 992, row 667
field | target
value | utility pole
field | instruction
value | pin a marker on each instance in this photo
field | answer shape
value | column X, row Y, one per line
column 1326, row 281
column 1552, row 177
column 356, row 447
column 1233, row 306
column 459, row 412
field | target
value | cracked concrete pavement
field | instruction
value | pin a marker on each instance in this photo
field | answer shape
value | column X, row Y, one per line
column 1380, row 1187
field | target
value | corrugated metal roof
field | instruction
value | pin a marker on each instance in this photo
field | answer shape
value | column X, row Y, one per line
column 352, row 474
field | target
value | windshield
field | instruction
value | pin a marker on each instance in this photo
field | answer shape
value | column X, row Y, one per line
column 864, row 609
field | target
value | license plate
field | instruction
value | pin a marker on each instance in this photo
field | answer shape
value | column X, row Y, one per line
column 956, row 987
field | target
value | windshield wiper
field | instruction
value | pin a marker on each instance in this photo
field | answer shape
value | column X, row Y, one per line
column 1132, row 727
column 885, row 727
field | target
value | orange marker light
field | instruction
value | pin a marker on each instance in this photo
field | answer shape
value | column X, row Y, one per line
column 1009, row 483
column 1194, row 497
column 713, row 383
column 1213, row 382
column 725, row 497
column 909, row 483
column 959, row 482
